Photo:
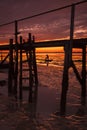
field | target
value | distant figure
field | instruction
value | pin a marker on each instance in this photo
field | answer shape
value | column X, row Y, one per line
column 47, row 60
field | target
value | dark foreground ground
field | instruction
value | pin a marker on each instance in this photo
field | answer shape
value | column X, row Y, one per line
column 16, row 116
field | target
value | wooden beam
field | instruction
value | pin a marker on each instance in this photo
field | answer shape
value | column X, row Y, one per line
column 77, row 43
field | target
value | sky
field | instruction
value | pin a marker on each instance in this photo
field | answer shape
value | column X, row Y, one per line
column 47, row 27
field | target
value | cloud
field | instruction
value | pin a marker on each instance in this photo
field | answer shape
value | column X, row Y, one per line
column 16, row 9
column 53, row 25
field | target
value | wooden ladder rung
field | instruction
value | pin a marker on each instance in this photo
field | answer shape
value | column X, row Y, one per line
column 25, row 69
column 28, row 69
column 24, row 61
column 25, row 87
column 25, row 51
column 27, row 78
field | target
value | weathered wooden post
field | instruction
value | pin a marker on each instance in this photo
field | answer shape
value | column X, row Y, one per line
column 83, row 92
column 30, row 68
column 34, row 63
column 71, row 33
column 20, row 75
column 64, row 82
column 16, row 59
column 10, row 71
column 1, row 56
column 67, row 64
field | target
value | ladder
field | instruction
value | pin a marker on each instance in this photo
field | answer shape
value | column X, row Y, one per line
column 28, row 71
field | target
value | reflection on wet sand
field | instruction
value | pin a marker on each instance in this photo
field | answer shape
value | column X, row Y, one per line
column 15, row 115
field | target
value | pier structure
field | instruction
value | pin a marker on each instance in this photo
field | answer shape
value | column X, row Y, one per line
column 30, row 69
column 28, row 66
column 29, row 49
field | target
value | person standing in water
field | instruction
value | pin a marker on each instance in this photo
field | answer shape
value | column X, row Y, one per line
column 47, row 60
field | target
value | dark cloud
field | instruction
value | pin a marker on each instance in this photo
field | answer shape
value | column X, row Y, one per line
column 16, row 9
column 52, row 25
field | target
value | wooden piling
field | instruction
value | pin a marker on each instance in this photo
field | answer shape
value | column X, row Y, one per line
column 67, row 64
column 64, row 82
column 20, row 75
column 16, row 60
column 34, row 63
column 30, row 68
column 83, row 91
column 10, row 71
column 71, row 33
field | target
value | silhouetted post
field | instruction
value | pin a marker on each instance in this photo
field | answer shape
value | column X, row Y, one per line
column 20, row 76
column 34, row 63
column 83, row 92
column 30, row 68
column 1, row 56
column 16, row 59
column 67, row 64
column 10, row 73
column 64, row 82
column 71, row 32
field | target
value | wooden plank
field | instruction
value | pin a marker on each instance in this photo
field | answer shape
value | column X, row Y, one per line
column 25, row 78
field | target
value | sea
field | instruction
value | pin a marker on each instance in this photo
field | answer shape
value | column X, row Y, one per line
column 57, row 58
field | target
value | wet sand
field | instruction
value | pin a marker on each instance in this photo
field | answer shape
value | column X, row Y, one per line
column 15, row 115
